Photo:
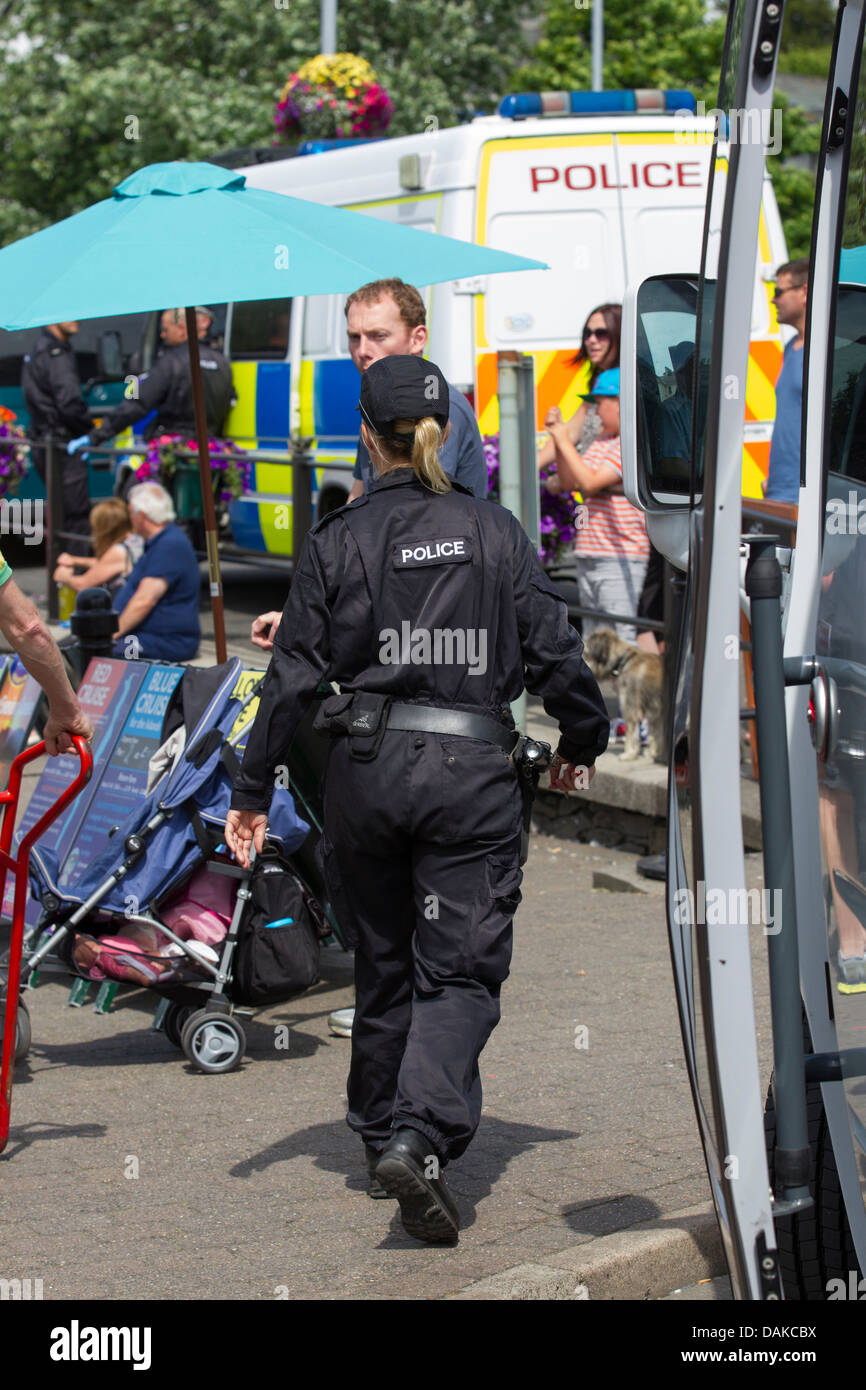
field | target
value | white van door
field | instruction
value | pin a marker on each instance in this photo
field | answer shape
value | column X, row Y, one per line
column 554, row 197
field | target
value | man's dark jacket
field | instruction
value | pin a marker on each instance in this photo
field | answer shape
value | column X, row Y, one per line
column 52, row 390
column 167, row 389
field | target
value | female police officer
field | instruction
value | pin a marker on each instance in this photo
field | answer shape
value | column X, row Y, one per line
column 430, row 610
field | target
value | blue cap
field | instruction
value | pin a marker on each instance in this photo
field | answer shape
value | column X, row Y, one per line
column 606, row 384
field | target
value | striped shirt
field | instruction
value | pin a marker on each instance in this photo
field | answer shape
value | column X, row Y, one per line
column 607, row 523
column 5, row 570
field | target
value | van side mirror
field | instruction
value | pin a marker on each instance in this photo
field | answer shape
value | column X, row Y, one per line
column 109, row 356
column 663, row 403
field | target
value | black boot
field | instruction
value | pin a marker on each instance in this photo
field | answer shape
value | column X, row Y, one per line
column 375, row 1188
column 411, row 1172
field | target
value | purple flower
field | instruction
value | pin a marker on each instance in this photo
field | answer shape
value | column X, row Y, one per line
column 556, row 510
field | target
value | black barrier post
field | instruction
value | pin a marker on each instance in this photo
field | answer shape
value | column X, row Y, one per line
column 93, row 624
column 302, row 493
column 54, row 508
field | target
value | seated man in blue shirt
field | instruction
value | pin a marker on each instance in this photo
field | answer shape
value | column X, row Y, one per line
column 158, row 604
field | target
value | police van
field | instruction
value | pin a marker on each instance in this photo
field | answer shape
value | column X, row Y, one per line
column 607, row 188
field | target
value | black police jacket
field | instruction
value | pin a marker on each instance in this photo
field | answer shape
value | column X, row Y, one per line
column 52, row 390
column 438, row 599
column 167, row 389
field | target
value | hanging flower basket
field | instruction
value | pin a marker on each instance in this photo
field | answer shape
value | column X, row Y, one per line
column 13, row 453
column 330, row 98
column 172, row 460
column 557, row 511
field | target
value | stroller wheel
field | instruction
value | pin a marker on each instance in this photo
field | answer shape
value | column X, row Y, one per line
column 23, row 1032
column 213, row 1042
column 174, row 1022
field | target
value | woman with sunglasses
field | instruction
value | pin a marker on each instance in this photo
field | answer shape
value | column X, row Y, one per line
column 600, row 348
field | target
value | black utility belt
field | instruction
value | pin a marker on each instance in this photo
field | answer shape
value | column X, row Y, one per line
column 365, row 716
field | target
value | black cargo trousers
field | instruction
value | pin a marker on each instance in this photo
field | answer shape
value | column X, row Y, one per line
column 421, row 850
column 76, row 493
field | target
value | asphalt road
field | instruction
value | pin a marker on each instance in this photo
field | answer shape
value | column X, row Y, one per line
column 129, row 1175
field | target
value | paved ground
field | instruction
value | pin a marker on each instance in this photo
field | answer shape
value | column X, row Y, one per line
column 129, row 1175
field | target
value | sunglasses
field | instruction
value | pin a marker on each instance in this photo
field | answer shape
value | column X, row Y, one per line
column 603, row 334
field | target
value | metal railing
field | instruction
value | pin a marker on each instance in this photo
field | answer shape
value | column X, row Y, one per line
column 103, row 458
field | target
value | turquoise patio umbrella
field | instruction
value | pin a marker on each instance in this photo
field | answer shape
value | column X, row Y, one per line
column 852, row 265
column 190, row 234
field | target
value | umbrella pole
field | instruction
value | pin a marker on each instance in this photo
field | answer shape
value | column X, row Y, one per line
column 204, row 468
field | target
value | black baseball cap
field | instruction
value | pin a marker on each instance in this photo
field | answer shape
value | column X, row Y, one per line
column 403, row 388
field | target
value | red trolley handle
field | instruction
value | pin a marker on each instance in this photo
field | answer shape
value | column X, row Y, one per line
column 19, row 866
column 9, row 798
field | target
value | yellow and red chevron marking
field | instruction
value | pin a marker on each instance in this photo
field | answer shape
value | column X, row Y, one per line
column 756, row 461
column 557, row 382
column 765, row 363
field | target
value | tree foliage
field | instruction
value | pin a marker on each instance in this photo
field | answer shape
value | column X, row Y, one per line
column 670, row 43
column 91, row 91
column 658, row 43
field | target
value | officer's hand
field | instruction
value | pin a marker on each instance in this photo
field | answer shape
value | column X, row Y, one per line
column 568, row 777
column 264, row 630
column 75, row 444
column 243, row 829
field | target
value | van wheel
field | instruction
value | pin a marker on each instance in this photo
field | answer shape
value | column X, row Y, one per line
column 817, row 1246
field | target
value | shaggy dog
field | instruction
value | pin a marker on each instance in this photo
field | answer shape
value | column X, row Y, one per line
column 638, row 679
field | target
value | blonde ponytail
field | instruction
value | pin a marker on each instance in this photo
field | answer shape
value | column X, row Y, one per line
column 425, row 455
column 422, row 452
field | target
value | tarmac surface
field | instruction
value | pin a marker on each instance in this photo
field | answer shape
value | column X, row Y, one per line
column 128, row 1175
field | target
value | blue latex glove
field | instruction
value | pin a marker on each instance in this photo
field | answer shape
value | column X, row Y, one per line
column 75, row 444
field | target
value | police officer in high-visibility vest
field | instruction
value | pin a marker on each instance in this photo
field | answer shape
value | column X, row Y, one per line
column 430, row 610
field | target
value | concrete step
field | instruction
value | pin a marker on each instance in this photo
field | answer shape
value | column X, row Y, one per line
column 638, row 788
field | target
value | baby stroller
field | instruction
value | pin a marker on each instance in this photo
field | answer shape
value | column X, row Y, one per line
column 158, row 907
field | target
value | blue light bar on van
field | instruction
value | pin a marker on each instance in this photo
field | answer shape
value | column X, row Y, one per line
column 637, row 101
column 321, row 146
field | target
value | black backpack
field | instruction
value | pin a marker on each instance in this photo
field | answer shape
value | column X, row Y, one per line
column 278, row 946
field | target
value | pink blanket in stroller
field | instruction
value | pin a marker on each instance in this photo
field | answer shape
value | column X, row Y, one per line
column 200, row 911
